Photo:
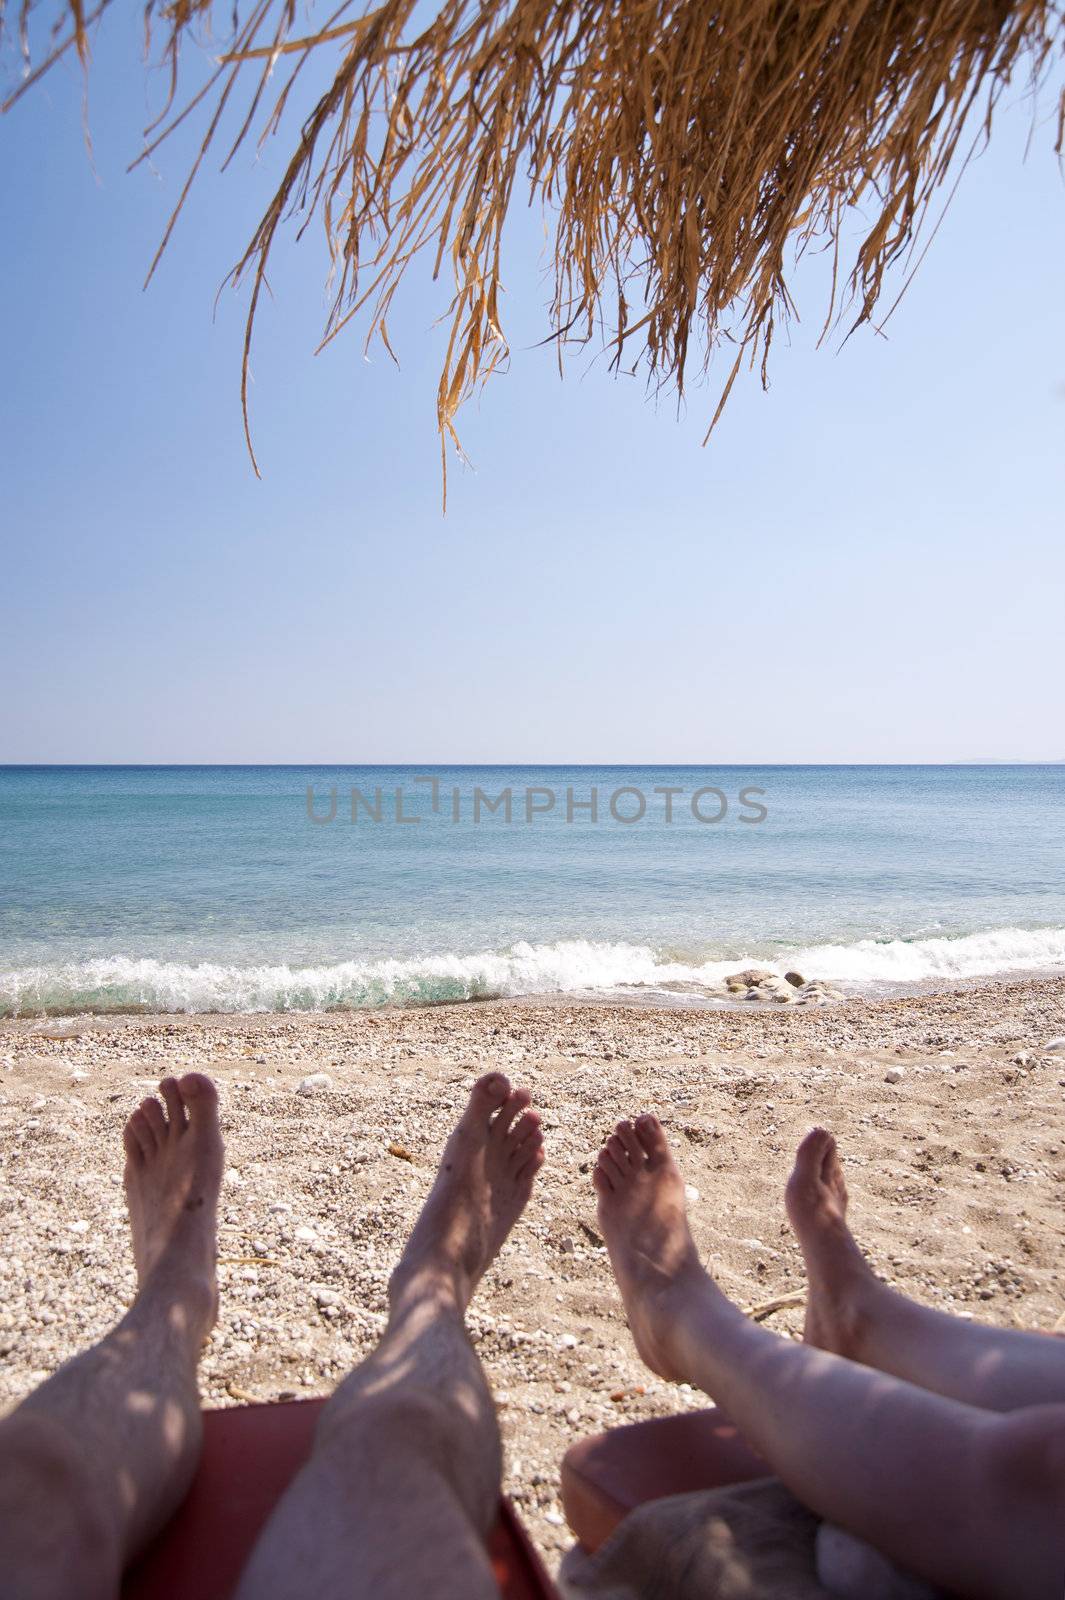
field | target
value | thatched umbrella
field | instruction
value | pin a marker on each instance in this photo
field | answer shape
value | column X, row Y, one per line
column 687, row 151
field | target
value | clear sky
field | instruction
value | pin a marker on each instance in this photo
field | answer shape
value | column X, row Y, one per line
column 865, row 564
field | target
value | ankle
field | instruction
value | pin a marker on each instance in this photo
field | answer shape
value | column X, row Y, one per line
column 183, row 1303
column 427, row 1289
column 681, row 1310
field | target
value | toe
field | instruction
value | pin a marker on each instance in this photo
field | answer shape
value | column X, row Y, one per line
column 652, row 1136
column 175, row 1106
column 832, row 1171
column 600, row 1181
column 140, row 1130
column 813, row 1154
column 527, row 1127
column 616, row 1148
column 153, row 1116
column 489, row 1092
column 510, row 1111
column 633, row 1148
column 532, row 1158
column 131, row 1144
column 615, row 1174
column 200, row 1099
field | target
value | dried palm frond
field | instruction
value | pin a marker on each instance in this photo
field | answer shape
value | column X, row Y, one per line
column 687, row 152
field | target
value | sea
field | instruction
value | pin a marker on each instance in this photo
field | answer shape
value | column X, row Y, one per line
column 291, row 888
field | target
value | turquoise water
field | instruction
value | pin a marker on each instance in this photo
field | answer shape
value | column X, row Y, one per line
column 204, row 888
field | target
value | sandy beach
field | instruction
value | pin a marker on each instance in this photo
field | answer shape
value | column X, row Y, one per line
column 949, row 1108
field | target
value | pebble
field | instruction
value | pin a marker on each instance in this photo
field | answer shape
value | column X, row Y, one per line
column 1055, row 1045
column 894, row 1075
column 691, row 1192
column 314, row 1083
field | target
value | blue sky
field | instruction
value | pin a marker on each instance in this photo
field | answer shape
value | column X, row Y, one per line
column 865, row 564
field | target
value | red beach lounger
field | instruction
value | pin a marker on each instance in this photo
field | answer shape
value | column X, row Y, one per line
column 250, row 1455
column 609, row 1475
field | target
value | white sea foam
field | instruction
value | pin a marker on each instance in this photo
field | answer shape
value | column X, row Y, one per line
column 572, row 965
column 973, row 955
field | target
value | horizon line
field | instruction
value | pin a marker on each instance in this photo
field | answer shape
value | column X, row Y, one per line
column 487, row 766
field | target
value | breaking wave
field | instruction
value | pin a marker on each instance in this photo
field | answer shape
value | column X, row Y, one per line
column 127, row 983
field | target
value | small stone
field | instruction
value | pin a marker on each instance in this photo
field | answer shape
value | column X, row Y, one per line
column 691, row 1192
column 1055, row 1045
column 77, row 1076
column 314, row 1083
column 305, row 1235
column 79, row 1227
column 567, row 1341
column 233, row 1179
column 894, row 1075
column 796, row 979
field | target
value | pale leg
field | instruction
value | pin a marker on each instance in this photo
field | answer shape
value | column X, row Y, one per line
column 403, row 1484
column 95, row 1460
column 852, row 1313
column 970, row 1500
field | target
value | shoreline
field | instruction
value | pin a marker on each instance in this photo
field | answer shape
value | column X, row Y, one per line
column 649, row 997
column 949, row 1109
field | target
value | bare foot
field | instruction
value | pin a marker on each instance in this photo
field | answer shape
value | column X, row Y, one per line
column 482, row 1186
column 836, row 1270
column 644, row 1222
column 173, row 1175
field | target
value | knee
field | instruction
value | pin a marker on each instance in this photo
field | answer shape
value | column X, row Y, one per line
column 52, row 1511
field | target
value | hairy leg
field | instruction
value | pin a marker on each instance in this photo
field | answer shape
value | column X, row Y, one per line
column 403, row 1484
column 95, row 1460
column 969, row 1499
column 851, row 1313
